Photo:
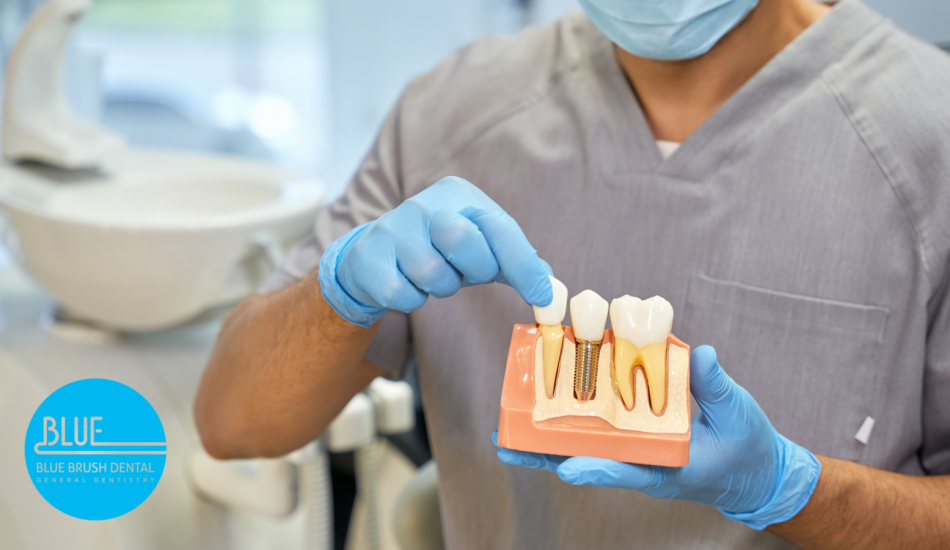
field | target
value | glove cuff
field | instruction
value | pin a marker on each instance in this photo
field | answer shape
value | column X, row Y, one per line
column 334, row 293
column 798, row 478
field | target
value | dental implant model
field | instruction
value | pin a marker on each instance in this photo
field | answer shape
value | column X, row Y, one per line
column 549, row 320
column 621, row 394
column 589, row 317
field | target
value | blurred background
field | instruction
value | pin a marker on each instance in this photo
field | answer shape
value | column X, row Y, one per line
column 301, row 83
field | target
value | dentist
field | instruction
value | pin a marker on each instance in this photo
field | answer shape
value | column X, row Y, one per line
column 779, row 170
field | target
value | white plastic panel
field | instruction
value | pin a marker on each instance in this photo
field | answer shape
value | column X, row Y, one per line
column 354, row 427
column 395, row 410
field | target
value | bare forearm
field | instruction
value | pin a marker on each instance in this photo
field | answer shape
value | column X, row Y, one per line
column 283, row 366
column 856, row 506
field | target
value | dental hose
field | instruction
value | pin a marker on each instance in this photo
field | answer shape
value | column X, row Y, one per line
column 316, row 496
column 367, row 469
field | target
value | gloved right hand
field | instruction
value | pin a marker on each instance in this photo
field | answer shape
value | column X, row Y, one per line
column 448, row 236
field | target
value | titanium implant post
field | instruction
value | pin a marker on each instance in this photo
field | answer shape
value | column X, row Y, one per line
column 585, row 369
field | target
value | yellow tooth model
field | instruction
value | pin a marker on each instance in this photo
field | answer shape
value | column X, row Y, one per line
column 641, row 328
column 549, row 320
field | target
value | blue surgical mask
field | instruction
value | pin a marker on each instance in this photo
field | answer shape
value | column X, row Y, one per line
column 667, row 29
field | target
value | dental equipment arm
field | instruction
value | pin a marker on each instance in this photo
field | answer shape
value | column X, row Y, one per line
column 288, row 361
column 752, row 474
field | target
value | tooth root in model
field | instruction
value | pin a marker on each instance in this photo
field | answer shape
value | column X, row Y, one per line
column 549, row 320
column 641, row 329
column 589, row 317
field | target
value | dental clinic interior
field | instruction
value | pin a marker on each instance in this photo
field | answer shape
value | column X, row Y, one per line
column 168, row 163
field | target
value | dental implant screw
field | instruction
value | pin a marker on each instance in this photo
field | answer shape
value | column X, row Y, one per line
column 585, row 369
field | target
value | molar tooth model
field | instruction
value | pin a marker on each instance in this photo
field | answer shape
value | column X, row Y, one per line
column 641, row 329
column 636, row 410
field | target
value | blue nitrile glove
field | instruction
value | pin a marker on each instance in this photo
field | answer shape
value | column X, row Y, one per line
column 737, row 462
column 448, row 236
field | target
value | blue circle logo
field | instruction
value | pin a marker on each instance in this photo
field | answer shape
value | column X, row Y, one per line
column 95, row 449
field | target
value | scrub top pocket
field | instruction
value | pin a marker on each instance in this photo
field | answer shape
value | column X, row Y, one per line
column 812, row 364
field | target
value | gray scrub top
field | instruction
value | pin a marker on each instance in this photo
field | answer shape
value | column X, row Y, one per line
column 803, row 231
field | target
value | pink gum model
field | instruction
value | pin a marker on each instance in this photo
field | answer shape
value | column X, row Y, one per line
column 575, row 435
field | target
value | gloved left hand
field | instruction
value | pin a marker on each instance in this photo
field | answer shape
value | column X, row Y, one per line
column 738, row 461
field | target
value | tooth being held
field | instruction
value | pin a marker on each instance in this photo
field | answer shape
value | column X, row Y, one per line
column 641, row 328
column 549, row 320
column 589, row 317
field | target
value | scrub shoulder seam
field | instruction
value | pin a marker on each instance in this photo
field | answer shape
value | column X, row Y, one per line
column 500, row 119
column 863, row 134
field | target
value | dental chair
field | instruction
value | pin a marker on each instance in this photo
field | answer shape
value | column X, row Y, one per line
column 298, row 485
column 131, row 240
column 21, row 506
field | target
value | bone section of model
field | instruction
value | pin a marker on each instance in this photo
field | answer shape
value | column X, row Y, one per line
column 641, row 328
column 549, row 319
column 607, row 403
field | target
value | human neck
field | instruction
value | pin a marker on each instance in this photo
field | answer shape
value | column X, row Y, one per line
column 678, row 96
